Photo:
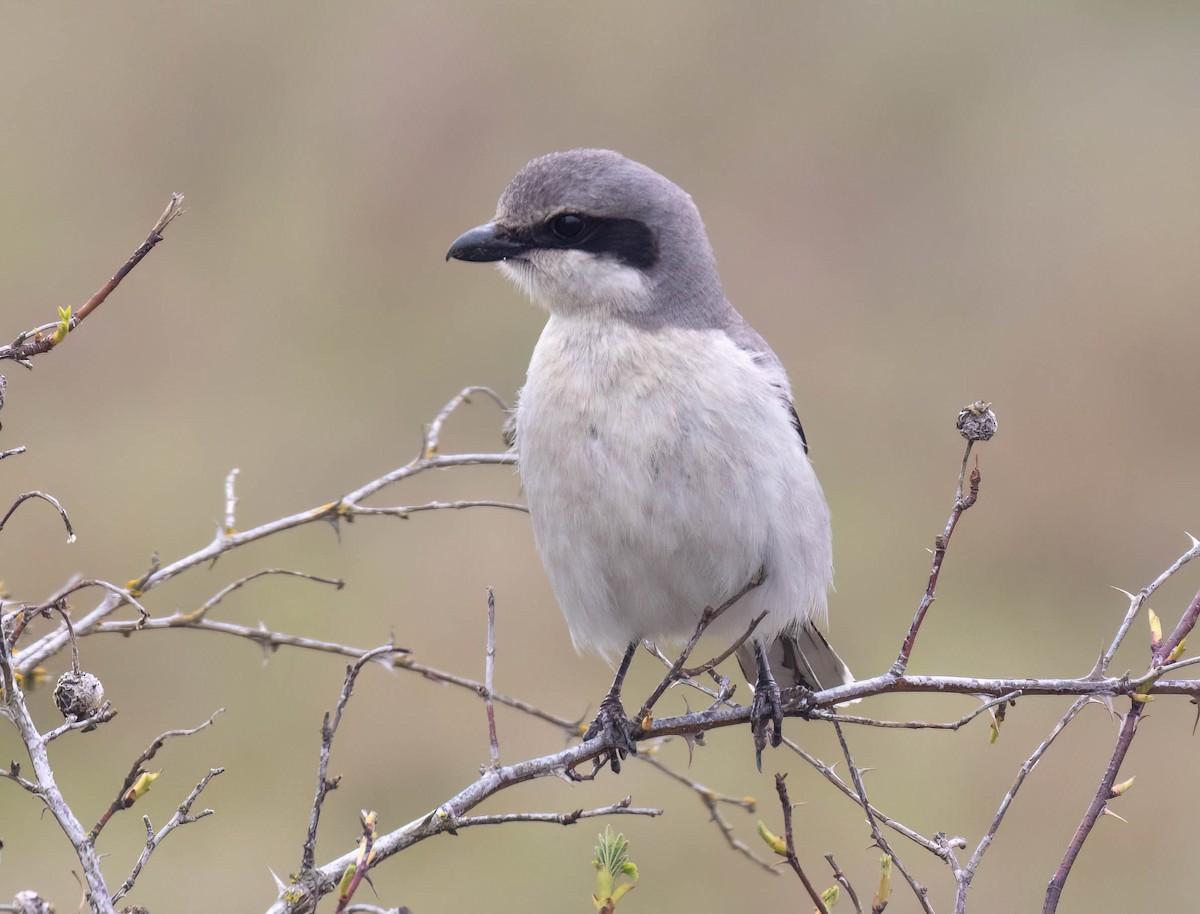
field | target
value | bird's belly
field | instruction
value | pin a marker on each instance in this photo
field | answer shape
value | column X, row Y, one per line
column 646, row 542
column 650, row 497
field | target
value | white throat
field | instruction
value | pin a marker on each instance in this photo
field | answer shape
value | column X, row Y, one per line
column 579, row 282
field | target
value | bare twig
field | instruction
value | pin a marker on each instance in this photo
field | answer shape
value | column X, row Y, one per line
column 941, row 544
column 370, row 820
column 12, row 451
column 202, row 611
column 35, row 342
column 1165, row 651
column 404, row 511
column 844, row 882
column 712, row 802
column 1162, row 654
column 136, row 770
column 622, row 808
column 880, row 841
column 1138, row 600
column 58, row 603
column 673, row 674
column 53, row 642
column 13, row 773
column 716, row 661
column 13, row 707
column 103, row 715
column 964, row 876
column 822, row 714
column 272, row 640
column 448, row 817
column 719, row 696
column 938, row 848
column 434, row 432
column 488, row 671
column 25, row 496
column 181, row 817
column 790, row 845
column 1095, row 808
column 328, row 730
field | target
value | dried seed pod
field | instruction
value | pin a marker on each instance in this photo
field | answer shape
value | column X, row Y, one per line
column 977, row 422
column 78, row 695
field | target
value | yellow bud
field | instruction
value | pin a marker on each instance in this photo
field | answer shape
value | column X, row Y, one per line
column 830, row 897
column 1178, row 652
column 140, row 788
column 885, row 883
column 1155, row 627
column 1119, row 789
column 344, row 883
column 776, row 843
column 64, row 326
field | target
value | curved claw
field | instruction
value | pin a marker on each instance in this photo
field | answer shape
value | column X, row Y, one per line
column 612, row 724
column 767, row 708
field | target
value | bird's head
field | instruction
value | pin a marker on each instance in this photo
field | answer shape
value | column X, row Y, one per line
column 591, row 233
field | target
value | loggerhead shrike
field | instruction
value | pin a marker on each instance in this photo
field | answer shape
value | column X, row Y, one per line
column 662, row 458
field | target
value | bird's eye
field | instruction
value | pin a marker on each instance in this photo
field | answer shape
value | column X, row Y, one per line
column 567, row 226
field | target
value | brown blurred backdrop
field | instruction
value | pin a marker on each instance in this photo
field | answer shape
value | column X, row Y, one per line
column 918, row 205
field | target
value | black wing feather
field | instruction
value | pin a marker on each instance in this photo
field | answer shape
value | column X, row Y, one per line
column 796, row 424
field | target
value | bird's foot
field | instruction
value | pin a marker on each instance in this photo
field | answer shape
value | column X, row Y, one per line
column 766, row 717
column 613, row 725
column 802, row 698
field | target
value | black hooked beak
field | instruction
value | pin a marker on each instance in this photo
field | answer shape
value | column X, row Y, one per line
column 485, row 244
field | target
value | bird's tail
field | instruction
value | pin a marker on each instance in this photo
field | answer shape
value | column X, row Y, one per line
column 799, row 656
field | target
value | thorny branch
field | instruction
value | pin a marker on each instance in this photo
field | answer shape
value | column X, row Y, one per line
column 1137, row 601
column 790, row 845
column 453, row 814
column 880, row 841
column 964, row 875
column 348, row 506
column 136, row 770
column 674, row 674
column 346, row 892
column 182, row 816
column 34, row 342
column 712, row 801
column 1163, row 652
column 489, row 669
column 328, row 731
column 622, row 808
column 15, row 710
column 844, row 883
column 941, row 544
column 1095, row 808
column 58, row 603
column 25, row 496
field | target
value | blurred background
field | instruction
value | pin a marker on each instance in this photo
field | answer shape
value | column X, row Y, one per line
column 918, row 205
